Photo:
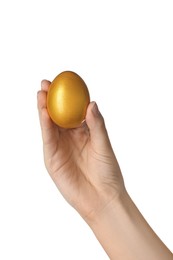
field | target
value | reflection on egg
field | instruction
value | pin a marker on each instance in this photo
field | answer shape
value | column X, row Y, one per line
column 67, row 100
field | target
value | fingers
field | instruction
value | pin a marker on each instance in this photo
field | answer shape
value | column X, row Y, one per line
column 41, row 103
column 45, row 85
column 98, row 132
column 48, row 128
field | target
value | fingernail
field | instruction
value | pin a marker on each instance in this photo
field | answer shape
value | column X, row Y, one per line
column 95, row 110
column 43, row 83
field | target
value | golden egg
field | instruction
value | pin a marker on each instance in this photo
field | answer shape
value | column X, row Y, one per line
column 67, row 100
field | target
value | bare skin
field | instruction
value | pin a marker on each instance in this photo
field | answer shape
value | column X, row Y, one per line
column 84, row 168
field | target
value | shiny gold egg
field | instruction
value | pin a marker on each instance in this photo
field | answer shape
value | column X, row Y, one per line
column 67, row 100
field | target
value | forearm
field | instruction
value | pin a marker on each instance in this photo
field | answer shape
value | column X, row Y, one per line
column 125, row 234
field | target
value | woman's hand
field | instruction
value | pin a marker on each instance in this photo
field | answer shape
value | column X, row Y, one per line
column 80, row 161
column 82, row 164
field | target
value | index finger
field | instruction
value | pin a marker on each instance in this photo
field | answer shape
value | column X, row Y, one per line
column 45, row 85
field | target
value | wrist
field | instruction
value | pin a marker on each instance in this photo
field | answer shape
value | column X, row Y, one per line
column 124, row 233
column 109, row 205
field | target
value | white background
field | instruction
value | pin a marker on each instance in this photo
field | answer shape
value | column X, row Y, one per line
column 124, row 52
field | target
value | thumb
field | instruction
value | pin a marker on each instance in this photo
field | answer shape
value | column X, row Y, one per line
column 98, row 133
